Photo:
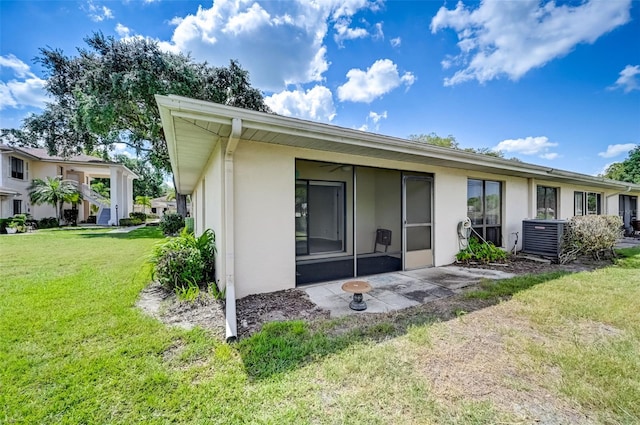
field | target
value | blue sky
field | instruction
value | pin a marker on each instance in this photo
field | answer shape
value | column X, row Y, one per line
column 555, row 84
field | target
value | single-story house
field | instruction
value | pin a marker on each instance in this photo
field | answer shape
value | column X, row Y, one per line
column 20, row 165
column 294, row 202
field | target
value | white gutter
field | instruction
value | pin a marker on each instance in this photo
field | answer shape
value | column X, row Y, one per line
column 230, row 307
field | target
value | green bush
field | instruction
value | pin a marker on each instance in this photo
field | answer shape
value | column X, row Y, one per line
column 19, row 219
column 484, row 252
column 171, row 224
column 177, row 267
column 48, row 223
column 3, row 225
column 125, row 222
column 594, row 235
column 138, row 215
column 189, row 224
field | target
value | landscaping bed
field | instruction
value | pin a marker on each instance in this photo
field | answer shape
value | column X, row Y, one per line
column 255, row 310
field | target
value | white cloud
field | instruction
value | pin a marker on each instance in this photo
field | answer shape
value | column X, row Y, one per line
column 98, row 13
column 20, row 68
column 314, row 104
column 25, row 90
column 376, row 81
column 549, row 155
column 510, row 38
column 279, row 43
column 616, row 150
column 629, row 79
column 529, row 146
column 122, row 149
column 378, row 33
column 396, row 42
column 375, row 117
column 344, row 32
column 122, row 31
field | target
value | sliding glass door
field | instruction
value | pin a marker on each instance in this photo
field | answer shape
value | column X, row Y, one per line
column 320, row 217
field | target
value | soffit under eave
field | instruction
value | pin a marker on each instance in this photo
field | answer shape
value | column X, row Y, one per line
column 193, row 144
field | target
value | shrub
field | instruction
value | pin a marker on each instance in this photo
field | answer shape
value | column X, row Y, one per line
column 92, row 219
column 3, row 225
column 48, row 223
column 594, row 235
column 19, row 219
column 125, row 222
column 176, row 265
column 171, row 224
column 485, row 252
column 189, row 224
column 138, row 215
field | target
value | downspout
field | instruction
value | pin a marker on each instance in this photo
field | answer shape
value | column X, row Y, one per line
column 229, row 237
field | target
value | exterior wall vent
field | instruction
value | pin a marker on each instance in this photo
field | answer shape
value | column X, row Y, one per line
column 542, row 237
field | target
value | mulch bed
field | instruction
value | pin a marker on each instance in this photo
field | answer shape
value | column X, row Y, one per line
column 255, row 310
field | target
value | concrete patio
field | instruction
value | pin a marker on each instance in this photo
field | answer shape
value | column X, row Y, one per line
column 399, row 290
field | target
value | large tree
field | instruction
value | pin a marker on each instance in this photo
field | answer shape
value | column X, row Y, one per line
column 627, row 170
column 151, row 178
column 105, row 95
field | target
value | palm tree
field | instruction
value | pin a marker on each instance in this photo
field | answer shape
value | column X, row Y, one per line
column 53, row 191
column 145, row 201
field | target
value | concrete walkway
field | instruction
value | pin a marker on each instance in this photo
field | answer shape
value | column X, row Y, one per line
column 399, row 290
column 126, row 229
column 628, row 242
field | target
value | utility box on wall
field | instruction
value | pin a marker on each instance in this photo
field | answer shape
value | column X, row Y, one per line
column 543, row 237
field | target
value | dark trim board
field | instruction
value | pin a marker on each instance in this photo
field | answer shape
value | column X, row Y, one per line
column 342, row 268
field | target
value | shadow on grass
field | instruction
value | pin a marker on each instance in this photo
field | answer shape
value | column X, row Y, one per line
column 147, row 232
column 281, row 347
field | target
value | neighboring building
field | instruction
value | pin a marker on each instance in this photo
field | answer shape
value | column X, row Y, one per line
column 161, row 206
column 293, row 201
column 19, row 166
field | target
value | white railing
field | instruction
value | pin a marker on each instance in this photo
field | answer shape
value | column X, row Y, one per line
column 92, row 196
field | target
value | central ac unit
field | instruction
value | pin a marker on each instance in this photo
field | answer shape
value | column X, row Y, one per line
column 543, row 237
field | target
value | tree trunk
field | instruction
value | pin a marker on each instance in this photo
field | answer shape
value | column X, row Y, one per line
column 181, row 204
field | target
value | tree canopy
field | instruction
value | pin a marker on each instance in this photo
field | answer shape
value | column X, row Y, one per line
column 451, row 142
column 627, row 170
column 151, row 178
column 105, row 95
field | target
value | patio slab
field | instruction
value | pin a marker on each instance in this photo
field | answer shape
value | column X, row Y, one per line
column 400, row 290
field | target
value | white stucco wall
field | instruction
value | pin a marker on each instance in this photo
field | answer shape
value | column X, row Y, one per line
column 265, row 212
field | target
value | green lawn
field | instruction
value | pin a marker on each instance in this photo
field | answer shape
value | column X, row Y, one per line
column 74, row 349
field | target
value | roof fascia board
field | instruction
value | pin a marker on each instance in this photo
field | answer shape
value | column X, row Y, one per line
column 223, row 114
column 165, row 108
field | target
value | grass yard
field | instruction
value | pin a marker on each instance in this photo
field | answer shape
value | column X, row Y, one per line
column 74, row 349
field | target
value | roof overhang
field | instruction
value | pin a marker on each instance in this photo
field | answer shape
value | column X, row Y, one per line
column 193, row 128
column 7, row 192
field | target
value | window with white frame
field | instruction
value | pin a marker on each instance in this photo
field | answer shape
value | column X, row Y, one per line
column 17, row 168
column 587, row 203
